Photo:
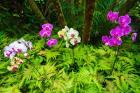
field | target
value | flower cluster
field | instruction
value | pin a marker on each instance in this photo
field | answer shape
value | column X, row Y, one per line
column 52, row 42
column 14, row 64
column 46, row 32
column 122, row 29
column 16, row 47
column 112, row 16
column 70, row 35
column 19, row 46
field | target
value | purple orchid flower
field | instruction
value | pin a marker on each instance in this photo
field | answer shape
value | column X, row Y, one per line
column 47, row 26
column 126, row 30
column 112, row 16
column 111, row 41
column 116, row 32
column 105, row 40
column 45, row 33
column 124, row 20
column 52, row 42
column 115, row 41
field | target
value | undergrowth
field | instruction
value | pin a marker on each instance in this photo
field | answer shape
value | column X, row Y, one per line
column 54, row 71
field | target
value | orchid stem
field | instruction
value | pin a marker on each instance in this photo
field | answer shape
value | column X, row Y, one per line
column 73, row 55
column 115, row 60
column 60, row 44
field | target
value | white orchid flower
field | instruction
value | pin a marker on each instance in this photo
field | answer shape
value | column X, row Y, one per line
column 75, row 41
column 72, row 33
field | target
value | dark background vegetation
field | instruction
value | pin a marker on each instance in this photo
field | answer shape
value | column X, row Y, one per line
column 25, row 16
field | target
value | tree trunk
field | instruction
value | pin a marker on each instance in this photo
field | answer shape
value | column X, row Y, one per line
column 127, row 6
column 89, row 9
column 36, row 10
column 61, row 18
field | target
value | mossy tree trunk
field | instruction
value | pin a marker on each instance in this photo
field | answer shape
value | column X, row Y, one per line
column 36, row 10
column 89, row 9
column 127, row 6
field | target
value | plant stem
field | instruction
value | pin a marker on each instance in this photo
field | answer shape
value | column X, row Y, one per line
column 60, row 44
column 74, row 63
column 73, row 55
column 115, row 60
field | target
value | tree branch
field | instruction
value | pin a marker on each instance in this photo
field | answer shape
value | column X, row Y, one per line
column 61, row 17
column 36, row 10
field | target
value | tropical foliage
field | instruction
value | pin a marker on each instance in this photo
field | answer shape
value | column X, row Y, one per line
column 53, row 58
